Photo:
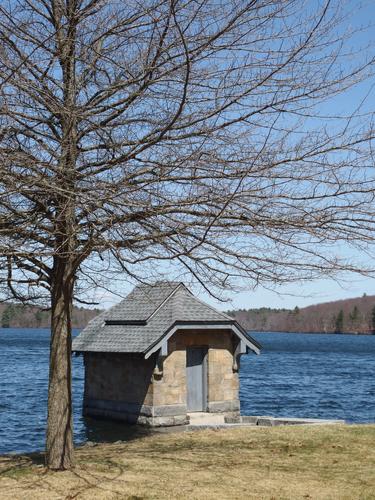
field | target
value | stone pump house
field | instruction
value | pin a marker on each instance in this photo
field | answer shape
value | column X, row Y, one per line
column 159, row 355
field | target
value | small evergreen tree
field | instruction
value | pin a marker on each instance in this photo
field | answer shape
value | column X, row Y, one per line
column 339, row 324
column 38, row 318
column 355, row 317
column 8, row 316
column 5, row 320
column 373, row 318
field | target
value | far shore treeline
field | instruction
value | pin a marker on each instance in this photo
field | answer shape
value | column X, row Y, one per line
column 14, row 315
column 355, row 315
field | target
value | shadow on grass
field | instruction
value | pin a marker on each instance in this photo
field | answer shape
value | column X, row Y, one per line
column 97, row 431
column 18, row 465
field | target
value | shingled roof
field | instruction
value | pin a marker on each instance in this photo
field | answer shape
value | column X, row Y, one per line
column 150, row 314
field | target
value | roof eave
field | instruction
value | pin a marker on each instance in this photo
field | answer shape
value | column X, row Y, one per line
column 249, row 337
column 231, row 325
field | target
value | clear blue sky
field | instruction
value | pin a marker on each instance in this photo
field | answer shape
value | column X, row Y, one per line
column 299, row 295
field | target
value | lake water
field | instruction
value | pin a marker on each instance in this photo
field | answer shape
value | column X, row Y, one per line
column 322, row 376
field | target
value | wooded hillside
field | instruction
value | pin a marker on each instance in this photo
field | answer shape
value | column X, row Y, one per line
column 20, row 316
column 355, row 315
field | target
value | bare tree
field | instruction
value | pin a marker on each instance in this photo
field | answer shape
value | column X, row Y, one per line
column 197, row 133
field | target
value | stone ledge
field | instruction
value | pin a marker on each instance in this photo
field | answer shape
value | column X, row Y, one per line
column 217, row 426
column 133, row 413
column 307, row 421
column 133, row 418
column 267, row 421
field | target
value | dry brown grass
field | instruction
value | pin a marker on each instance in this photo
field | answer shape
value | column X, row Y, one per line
column 306, row 462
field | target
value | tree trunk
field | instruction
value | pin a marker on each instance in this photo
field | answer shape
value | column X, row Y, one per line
column 59, row 445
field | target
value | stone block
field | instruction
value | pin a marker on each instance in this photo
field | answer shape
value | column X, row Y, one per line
column 169, row 410
column 169, row 421
column 146, row 421
column 232, row 418
column 224, row 406
column 266, row 421
column 181, row 420
column 248, row 419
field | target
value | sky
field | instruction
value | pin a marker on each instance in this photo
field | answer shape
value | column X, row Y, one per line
column 301, row 295
column 285, row 297
column 291, row 296
column 323, row 290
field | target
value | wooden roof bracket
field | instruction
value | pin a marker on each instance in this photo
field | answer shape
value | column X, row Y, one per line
column 162, row 354
column 241, row 348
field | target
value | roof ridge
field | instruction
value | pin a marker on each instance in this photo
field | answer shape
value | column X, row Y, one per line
column 173, row 292
column 157, row 284
column 176, row 304
column 145, row 291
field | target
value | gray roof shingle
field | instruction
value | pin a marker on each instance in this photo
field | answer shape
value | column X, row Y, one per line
column 143, row 317
column 142, row 302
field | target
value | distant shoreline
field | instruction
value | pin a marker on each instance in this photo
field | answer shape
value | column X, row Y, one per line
column 355, row 316
column 250, row 332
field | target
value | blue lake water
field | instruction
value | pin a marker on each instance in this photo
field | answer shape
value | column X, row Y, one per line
column 323, row 376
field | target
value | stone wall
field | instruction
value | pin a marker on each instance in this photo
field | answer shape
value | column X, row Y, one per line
column 119, row 386
column 169, row 389
column 128, row 387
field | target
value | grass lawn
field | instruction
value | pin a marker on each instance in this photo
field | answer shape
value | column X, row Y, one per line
column 305, row 462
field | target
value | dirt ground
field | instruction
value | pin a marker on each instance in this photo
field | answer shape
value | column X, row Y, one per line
column 300, row 462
